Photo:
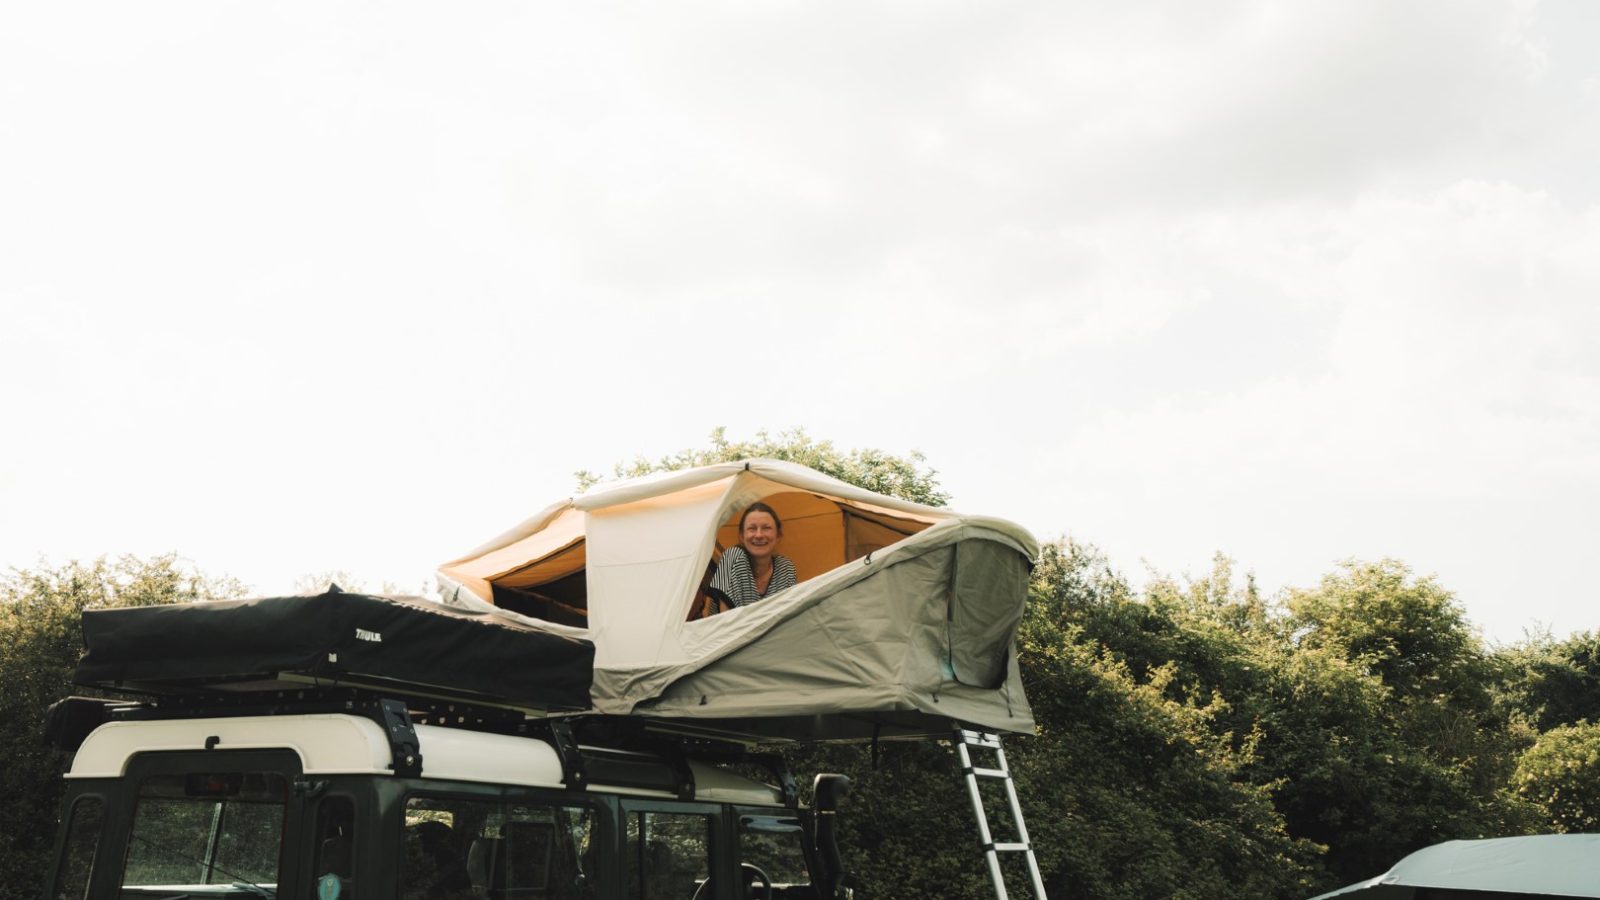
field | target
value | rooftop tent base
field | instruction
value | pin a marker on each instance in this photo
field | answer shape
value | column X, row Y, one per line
column 837, row 728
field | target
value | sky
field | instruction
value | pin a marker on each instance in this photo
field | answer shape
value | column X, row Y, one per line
column 294, row 288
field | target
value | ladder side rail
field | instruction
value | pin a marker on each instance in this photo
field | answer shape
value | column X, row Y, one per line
column 965, row 739
column 1022, row 829
column 990, row 855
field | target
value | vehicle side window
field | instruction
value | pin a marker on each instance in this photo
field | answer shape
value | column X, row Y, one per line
column 457, row 847
column 77, row 858
column 669, row 855
column 333, row 866
column 776, row 846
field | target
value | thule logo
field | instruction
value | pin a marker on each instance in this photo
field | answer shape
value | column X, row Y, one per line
column 364, row 635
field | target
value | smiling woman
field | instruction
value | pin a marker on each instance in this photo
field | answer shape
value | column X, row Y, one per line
column 752, row 570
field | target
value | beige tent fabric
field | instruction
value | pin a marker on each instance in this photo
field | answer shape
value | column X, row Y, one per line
column 900, row 606
column 520, row 552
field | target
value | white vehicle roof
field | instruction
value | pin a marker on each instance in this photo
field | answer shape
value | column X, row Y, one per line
column 338, row 744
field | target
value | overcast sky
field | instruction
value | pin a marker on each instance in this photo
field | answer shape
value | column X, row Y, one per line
column 289, row 288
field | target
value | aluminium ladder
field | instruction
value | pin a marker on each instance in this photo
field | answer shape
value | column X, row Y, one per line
column 965, row 740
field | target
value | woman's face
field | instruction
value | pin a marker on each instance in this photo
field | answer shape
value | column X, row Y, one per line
column 760, row 534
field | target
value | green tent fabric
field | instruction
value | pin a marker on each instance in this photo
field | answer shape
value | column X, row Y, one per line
column 1543, row 865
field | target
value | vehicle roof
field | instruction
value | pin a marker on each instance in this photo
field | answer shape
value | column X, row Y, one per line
column 339, row 744
column 1540, row 865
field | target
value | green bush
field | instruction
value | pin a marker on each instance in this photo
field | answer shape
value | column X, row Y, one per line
column 1561, row 774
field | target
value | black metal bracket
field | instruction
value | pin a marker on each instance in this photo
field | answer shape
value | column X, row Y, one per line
column 683, row 774
column 404, row 746
column 779, row 767
column 573, row 772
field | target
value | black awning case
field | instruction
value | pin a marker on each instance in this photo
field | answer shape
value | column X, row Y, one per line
column 334, row 638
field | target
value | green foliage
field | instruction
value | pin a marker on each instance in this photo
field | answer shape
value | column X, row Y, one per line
column 1556, row 682
column 1362, row 707
column 1561, row 773
column 40, row 627
column 897, row 476
column 1407, row 631
column 1138, row 757
column 1454, row 744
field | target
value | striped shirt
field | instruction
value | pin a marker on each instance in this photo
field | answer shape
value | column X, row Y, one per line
column 736, row 577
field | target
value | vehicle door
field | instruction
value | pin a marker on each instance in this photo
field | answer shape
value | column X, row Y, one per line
column 677, row 851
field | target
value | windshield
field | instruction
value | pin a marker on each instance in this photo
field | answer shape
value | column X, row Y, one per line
column 206, row 834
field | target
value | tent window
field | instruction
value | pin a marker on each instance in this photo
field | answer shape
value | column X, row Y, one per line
column 564, row 601
column 865, row 532
column 552, row 587
column 820, row 534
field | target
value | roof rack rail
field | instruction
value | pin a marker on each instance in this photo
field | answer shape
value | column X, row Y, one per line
column 620, row 751
column 69, row 721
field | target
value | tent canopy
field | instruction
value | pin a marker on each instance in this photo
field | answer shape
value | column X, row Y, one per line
column 902, row 610
column 624, row 562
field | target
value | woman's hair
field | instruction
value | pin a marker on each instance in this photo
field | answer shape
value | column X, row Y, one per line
column 758, row 506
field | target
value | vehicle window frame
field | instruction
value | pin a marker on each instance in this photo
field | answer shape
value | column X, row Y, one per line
column 72, row 805
column 106, row 880
column 807, row 833
column 311, row 849
column 723, row 863
column 601, row 825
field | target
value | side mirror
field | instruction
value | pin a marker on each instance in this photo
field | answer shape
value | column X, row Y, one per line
column 828, row 792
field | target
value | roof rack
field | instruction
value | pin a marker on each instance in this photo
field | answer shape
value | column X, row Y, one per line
column 619, row 751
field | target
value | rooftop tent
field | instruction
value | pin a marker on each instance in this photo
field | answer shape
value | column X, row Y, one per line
column 903, row 618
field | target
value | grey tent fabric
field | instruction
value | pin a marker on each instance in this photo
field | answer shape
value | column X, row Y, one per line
column 979, row 632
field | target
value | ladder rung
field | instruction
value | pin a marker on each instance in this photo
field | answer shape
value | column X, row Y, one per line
column 980, row 739
column 988, row 773
column 1007, row 848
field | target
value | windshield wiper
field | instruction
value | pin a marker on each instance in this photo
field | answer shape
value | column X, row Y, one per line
column 255, row 889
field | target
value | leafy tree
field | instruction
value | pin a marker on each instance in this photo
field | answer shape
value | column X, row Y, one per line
column 1386, row 727
column 1408, row 631
column 898, row 476
column 41, row 628
column 1353, row 765
column 1556, row 682
column 1135, row 749
column 1561, row 773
